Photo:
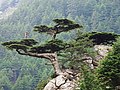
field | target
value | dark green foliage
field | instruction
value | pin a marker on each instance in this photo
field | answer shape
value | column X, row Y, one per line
column 109, row 69
column 28, row 42
column 17, row 46
column 69, row 27
column 63, row 21
column 63, row 25
column 103, row 38
column 10, row 42
column 50, row 46
column 88, row 80
column 23, row 44
column 42, row 28
column 116, row 50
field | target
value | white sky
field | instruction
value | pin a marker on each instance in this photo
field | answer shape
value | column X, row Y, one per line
column 1, row 1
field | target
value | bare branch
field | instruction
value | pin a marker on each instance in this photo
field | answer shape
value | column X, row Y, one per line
column 42, row 55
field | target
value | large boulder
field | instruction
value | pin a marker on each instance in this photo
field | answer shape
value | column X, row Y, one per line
column 61, row 82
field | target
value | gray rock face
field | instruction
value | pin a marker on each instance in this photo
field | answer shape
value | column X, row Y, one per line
column 102, row 49
column 50, row 85
column 61, row 82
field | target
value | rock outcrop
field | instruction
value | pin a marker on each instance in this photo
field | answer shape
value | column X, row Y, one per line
column 65, row 81
column 102, row 51
column 61, row 82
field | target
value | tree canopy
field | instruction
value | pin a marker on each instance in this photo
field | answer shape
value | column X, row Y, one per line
column 63, row 25
column 50, row 48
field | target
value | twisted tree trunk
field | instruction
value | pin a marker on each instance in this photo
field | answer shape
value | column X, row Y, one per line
column 50, row 56
column 64, row 79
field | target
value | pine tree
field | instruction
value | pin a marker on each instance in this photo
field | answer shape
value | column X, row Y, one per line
column 29, row 47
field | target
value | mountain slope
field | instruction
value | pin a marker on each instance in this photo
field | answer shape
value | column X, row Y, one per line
column 94, row 15
column 16, row 71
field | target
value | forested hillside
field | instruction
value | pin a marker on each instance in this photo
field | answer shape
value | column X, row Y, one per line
column 23, row 73
column 94, row 15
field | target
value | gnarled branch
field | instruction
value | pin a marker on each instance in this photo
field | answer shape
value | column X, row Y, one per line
column 50, row 56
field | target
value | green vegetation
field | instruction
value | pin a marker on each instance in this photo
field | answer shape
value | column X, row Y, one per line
column 88, row 79
column 94, row 15
column 103, row 38
column 106, row 76
column 109, row 70
column 24, row 73
column 49, row 50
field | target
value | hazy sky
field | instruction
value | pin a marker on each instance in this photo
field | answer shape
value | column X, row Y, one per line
column 1, row 1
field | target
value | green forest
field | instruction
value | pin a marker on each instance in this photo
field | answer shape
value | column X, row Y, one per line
column 81, row 24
